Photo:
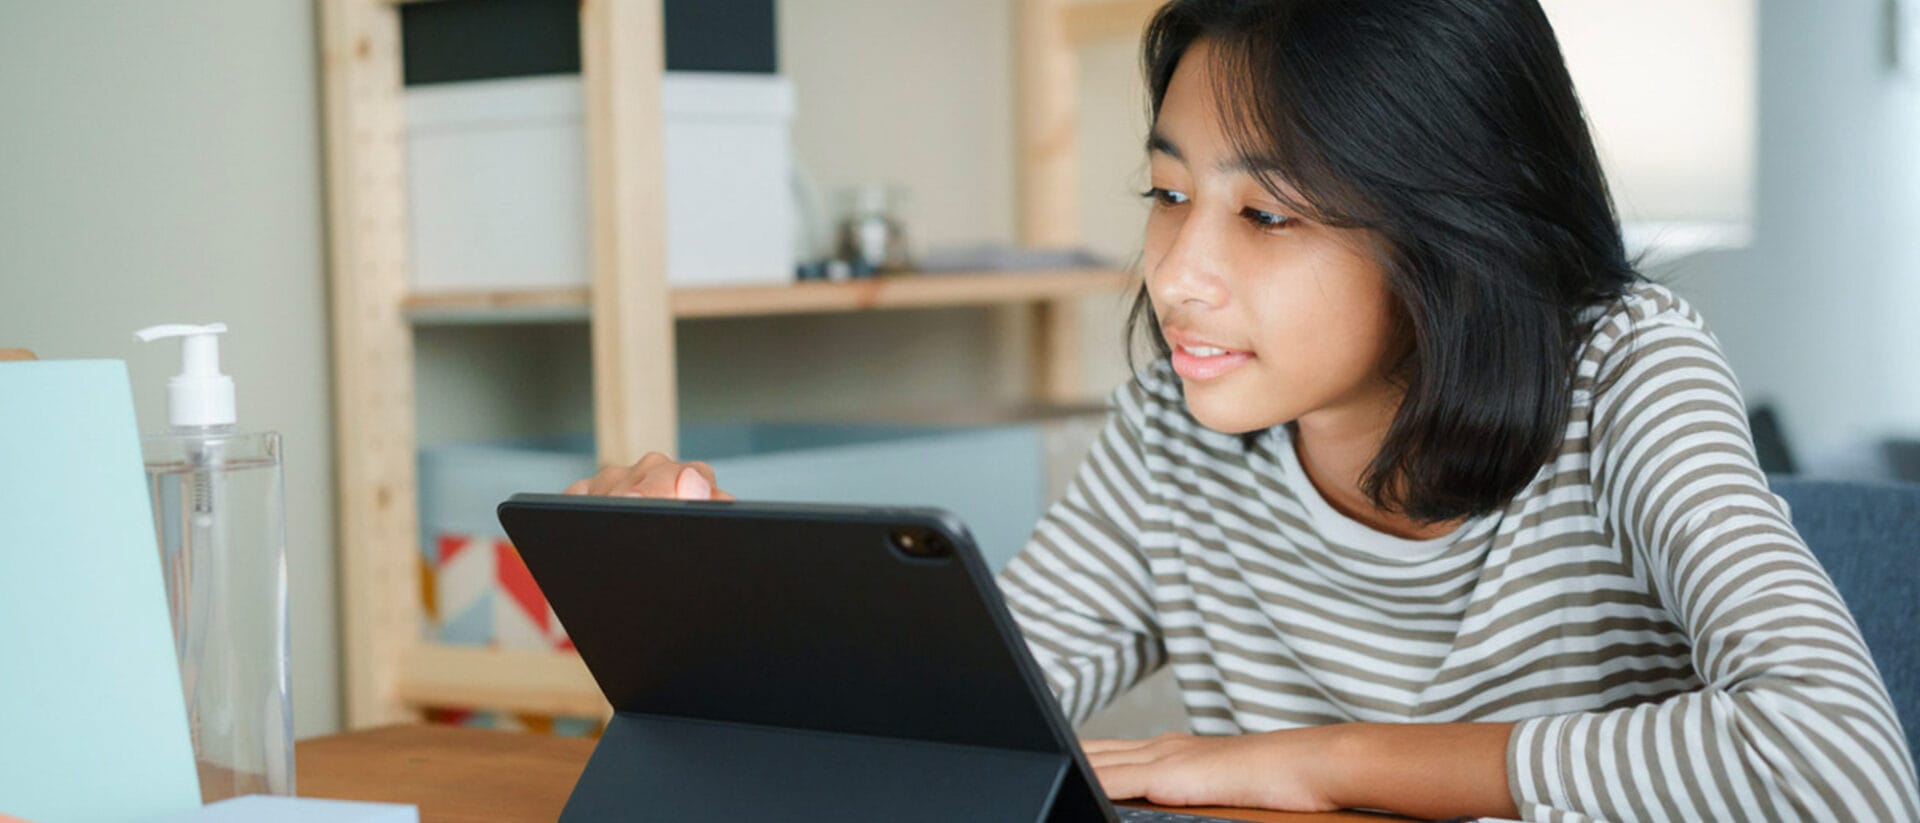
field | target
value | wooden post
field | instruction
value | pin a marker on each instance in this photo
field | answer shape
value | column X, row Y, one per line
column 635, row 408
column 372, row 353
column 1048, row 89
column 1095, row 20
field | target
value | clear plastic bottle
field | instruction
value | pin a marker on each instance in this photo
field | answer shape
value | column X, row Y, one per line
column 219, row 510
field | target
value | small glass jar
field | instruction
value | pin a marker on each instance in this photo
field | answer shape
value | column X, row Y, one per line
column 873, row 238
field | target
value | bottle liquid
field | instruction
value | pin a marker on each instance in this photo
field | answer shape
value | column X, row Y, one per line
column 220, row 511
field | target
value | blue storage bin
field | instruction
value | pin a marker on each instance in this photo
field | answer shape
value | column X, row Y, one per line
column 994, row 478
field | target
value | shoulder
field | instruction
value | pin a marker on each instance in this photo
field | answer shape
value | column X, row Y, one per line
column 1645, row 306
column 1647, row 338
column 1657, row 395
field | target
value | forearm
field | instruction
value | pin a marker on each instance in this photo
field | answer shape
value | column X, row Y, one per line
column 1429, row 770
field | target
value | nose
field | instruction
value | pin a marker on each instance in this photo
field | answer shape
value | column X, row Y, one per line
column 1188, row 274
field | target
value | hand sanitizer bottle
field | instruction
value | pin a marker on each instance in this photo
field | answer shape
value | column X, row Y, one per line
column 220, row 510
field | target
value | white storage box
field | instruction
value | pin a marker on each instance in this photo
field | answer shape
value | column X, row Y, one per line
column 496, row 173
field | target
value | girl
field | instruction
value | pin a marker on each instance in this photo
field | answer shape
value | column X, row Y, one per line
column 1429, row 501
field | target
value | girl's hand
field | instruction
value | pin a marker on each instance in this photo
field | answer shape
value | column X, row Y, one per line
column 656, row 475
column 1282, row 770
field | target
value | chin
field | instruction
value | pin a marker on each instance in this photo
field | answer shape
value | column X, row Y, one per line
column 1223, row 412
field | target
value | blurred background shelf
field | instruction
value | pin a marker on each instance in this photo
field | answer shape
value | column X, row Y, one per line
column 535, row 682
column 912, row 291
column 408, row 355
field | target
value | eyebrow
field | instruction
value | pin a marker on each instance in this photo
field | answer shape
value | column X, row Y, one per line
column 1157, row 142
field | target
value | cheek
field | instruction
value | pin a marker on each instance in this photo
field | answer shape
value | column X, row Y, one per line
column 1364, row 318
column 1332, row 320
column 1370, row 314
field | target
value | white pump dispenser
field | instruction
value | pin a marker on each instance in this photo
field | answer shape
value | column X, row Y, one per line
column 199, row 396
column 219, row 511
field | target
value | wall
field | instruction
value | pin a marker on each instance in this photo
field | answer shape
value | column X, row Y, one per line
column 1822, row 314
column 1668, row 90
column 160, row 162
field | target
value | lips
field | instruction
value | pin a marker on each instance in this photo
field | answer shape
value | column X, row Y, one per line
column 1195, row 358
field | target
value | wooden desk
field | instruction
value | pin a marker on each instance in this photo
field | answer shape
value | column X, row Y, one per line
column 458, row 775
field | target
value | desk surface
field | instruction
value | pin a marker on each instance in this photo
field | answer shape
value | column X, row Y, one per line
column 458, row 775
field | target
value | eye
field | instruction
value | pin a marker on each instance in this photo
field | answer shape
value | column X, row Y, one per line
column 1164, row 197
column 1265, row 219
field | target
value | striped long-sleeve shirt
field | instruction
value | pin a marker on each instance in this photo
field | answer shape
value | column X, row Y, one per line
column 1643, row 610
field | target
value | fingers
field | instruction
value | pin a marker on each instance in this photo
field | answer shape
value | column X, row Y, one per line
column 1101, row 747
column 1133, row 755
column 655, row 483
column 613, row 480
column 693, row 485
column 617, row 476
column 655, row 475
column 1161, row 781
column 610, row 480
column 602, row 480
column 1110, row 745
column 1124, row 780
column 1113, row 754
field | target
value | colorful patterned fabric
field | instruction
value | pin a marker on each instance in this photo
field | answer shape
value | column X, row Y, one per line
column 476, row 592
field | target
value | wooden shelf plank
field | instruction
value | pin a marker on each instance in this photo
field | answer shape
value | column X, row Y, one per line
column 917, row 291
column 901, row 292
column 513, row 680
column 497, row 306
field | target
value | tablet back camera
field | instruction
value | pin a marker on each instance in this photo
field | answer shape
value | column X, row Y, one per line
column 920, row 544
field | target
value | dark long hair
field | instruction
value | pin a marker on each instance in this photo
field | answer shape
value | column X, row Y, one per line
column 1451, row 131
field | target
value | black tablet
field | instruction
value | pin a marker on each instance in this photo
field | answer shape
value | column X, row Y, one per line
column 783, row 661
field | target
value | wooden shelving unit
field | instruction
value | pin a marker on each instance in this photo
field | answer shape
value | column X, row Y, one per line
column 917, row 291
column 391, row 671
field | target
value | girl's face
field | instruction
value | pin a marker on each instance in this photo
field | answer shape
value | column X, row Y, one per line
column 1272, row 319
